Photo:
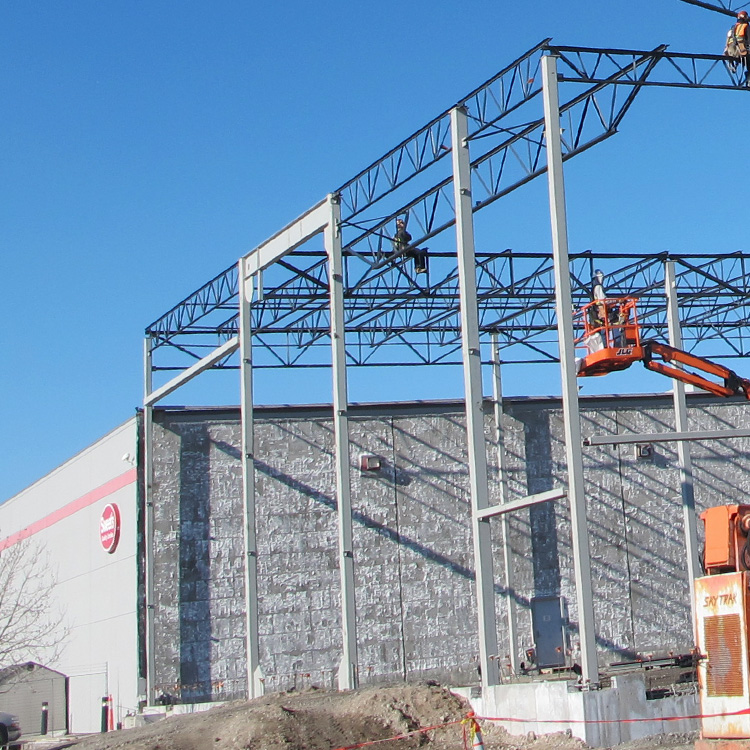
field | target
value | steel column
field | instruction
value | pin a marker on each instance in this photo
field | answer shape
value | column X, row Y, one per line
column 472, row 364
column 148, row 519
column 563, row 307
column 253, row 669
column 683, row 447
column 510, row 592
column 348, row 676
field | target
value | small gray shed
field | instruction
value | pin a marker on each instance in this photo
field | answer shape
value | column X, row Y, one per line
column 23, row 690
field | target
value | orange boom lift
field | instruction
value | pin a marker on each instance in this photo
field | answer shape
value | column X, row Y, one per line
column 612, row 340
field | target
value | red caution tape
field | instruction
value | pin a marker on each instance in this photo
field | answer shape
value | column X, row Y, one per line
column 472, row 719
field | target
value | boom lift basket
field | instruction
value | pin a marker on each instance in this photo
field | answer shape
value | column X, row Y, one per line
column 612, row 341
column 611, row 336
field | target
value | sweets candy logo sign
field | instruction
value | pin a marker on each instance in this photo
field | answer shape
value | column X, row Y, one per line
column 109, row 528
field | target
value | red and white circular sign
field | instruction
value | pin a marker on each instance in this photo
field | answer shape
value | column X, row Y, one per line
column 109, row 527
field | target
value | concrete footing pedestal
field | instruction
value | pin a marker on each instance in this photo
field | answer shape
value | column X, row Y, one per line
column 601, row 718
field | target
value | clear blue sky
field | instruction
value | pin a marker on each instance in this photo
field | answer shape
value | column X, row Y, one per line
column 148, row 145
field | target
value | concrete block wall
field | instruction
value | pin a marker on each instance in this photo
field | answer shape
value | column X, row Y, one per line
column 198, row 567
column 414, row 573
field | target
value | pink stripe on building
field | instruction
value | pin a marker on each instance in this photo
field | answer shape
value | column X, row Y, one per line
column 108, row 488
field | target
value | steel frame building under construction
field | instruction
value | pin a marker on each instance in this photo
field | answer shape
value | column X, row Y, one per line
column 357, row 301
column 224, row 552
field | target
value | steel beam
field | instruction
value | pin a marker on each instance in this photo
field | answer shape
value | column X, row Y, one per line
column 472, row 365
column 571, row 416
column 487, row 105
column 148, row 523
column 685, row 69
column 522, row 502
column 728, row 9
column 216, row 294
column 253, row 670
column 282, row 243
column 348, row 671
column 665, row 437
column 221, row 352
column 503, row 132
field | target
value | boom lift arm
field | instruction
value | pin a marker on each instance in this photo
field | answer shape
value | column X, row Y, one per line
column 732, row 385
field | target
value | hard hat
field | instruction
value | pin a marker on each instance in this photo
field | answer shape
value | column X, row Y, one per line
column 742, row 14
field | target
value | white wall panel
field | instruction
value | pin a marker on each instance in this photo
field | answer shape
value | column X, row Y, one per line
column 98, row 590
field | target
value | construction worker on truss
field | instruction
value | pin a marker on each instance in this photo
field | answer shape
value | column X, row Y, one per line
column 402, row 246
column 738, row 44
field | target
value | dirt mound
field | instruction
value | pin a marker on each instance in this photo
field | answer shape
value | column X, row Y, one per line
column 497, row 738
column 323, row 720
column 310, row 720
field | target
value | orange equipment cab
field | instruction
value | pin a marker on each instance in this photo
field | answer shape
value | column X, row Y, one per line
column 727, row 541
column 610, row 336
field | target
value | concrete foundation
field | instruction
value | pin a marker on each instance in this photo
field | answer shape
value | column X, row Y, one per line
column 601, row 718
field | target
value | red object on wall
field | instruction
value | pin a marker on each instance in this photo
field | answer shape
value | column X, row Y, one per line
column 109, row 527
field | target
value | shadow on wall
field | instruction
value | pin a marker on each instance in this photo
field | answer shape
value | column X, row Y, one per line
column 412, row 544
column 195, row 565
column 545, row 551
column 357, row 516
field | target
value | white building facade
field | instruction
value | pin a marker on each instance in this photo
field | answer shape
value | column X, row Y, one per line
column 84, row 517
